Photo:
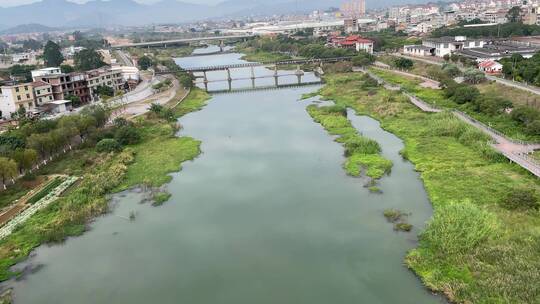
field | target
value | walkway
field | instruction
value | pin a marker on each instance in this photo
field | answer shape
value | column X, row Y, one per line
column 515, row 151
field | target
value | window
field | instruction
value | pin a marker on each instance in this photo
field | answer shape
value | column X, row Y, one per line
column 26, row 88
column 27, row 96
column 38, row 92
column 445, row 45
column 17, row 89
column 477, row 43
column 18, row 97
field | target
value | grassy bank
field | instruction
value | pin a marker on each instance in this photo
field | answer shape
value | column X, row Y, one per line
column 362, row 153
column 150, row 161
column 479, row 247
column 502, row 122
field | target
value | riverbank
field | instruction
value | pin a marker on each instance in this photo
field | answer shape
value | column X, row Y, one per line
column 479, row 246
column 149, row 162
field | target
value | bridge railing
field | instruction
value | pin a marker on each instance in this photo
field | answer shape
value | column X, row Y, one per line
column 253, row 64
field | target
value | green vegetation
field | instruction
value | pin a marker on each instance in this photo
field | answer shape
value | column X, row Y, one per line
column 361, row 152
column 160, row 197
column 398, row 218
column 489, row 108
column 390, row 40
column 52, row 55
column 149, row 161
column 466, row 183
column 88, row 59
column 521, row 69
column 46, row 190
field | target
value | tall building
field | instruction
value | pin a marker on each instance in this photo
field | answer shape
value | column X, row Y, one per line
column 354, row 8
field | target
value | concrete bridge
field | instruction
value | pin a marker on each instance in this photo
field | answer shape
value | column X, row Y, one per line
column 165, row 43
column 298, row 73
column 256, row 64
column 266, row 88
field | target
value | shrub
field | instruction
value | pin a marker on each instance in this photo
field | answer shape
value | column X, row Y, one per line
column 108, row 145
column 361, row 145
column 127, row 135
column 521, row 199
column 465, row 94
column 403, row 63
column 458, row 228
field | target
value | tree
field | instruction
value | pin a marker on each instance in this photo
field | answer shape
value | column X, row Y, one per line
column 52, row 55
column 8, row 169
column 108, row 145
column 363, row 59
column 446, row 57
column 66, row 68
column 105, row 91
column 474, row 76
column 145, row 62
column 403, row 63
column 514, row 14
column 127, row 135
column 25, row 158
column 75, row 100
column 88, row 59
column 465, row 94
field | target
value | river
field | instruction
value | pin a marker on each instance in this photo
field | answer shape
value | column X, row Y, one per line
column 265, row 215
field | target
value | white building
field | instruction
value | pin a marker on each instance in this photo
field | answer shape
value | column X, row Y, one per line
column 443, row 46
column 46, row 72
column 16, row 96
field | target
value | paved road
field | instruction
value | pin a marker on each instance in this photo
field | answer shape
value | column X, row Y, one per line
column 125, row 58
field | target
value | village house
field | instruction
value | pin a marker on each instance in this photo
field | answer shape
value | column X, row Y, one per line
column 352, row 42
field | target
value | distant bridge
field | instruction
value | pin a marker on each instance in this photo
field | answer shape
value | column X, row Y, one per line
column 165, row 43
column 265, row 88
column 256, row 64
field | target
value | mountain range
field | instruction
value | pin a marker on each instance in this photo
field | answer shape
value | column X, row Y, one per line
column 62, row 13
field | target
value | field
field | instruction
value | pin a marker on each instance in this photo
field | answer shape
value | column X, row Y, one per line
column 479, row 247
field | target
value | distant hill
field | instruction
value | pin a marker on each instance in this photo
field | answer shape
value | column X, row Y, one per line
column 27, row 28
column 97, row 13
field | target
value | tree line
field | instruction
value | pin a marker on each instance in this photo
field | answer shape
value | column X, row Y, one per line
column 521, row 69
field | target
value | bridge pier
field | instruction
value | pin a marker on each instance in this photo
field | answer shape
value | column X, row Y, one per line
column 229, row 78
column 276, row 75
column 205, row 81
column 221, row 45
column 253, row 77
column 299, row 73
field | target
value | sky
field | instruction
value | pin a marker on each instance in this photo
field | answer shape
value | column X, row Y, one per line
column 6, row 3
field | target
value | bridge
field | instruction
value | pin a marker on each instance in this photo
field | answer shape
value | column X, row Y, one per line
column 257, row 64
column 165, row 43
column 265, row 88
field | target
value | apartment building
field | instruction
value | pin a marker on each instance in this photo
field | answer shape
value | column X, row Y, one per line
column 64, row 85
column 16, row 96
column 104, row 77
column 42, row 92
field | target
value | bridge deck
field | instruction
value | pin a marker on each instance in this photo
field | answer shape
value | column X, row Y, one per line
column 255, row 64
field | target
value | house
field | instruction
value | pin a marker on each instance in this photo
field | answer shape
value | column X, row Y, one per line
column 444, row 46
column 14, row 97
column 104, row 76
column 490, row 67
column 42, row 92
column 352, row 42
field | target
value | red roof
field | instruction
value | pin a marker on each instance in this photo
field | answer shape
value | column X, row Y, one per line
column 488, row 64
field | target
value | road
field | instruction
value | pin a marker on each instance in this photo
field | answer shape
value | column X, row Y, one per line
column 124, row 58
column 176, row 41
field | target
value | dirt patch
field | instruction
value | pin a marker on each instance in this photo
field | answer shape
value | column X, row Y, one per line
column 429, row 84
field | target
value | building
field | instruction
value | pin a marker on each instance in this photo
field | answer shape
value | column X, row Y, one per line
column 351, row 25
column 444, row 46
column 352, row 42
column 104, row 76
column 500, row 49
column 42, row 92
column 417, row 50
column 490, row 67
column 354, row 8
column 14, row 97
column 64, row 85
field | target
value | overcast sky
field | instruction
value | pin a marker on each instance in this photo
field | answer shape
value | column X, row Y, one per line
column 19, row 2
